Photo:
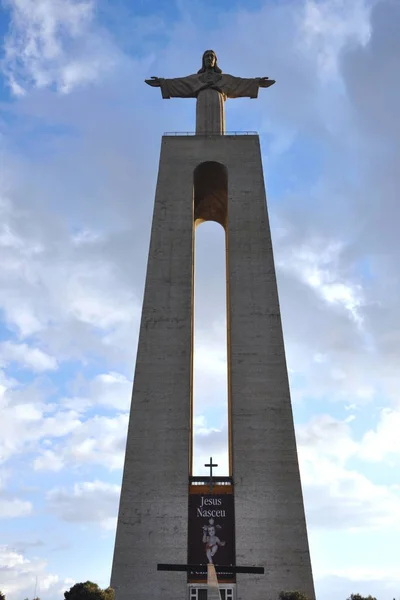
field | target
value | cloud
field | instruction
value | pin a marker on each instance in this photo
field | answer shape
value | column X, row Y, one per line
column 372, row 581
column 350, row 499
column 53, row 42
column 74, row 291
column 324, row 435
column 314, row 264
column 19, row 575
column 61, row 434
column 383, row 442
column 31, row 358
column 325, row 447
column 48, row 460
column 94, row 502
column 27, row 418
column 210, row 441
column 96, row 441
column 11, row 507
column 328, row 26
column 112, row 390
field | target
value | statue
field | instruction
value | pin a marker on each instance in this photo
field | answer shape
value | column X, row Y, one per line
column 211, row 88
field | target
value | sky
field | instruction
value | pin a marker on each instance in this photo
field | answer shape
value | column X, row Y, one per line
column 80, row 138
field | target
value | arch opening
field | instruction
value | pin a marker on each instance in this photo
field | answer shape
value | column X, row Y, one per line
column 210, row 389
column 210, row 181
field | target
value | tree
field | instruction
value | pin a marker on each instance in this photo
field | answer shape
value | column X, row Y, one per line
column 89, row 591
column 359, row 597
column 2, row 596
column 109, row 593
column 292, row 596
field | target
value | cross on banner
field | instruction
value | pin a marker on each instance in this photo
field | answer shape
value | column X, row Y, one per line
column 210, row 464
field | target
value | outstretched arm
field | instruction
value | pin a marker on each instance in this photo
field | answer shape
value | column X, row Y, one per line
column 240, row 87
column 179, row 87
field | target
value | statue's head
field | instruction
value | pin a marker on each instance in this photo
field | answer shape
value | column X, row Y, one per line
column 209, row 62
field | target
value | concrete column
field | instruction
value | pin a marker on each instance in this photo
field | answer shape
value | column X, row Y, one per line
column 152, row 522
column 270, row 523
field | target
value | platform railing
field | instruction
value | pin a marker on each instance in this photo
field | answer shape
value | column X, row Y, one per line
column 177, row 133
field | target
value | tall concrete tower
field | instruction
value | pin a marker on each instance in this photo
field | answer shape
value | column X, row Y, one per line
column 254, row 517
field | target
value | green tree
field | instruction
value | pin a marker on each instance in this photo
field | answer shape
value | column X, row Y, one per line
column 88, row 591
column 2, row 596
column 359, row 597
column 109, row 594
column 292, row 596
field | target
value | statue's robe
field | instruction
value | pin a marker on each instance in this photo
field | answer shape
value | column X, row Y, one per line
column 211, row 90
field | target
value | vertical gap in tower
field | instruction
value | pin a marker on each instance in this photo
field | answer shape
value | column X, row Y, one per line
column 210, row 365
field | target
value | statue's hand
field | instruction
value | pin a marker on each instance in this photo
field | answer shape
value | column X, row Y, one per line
column 265, row 82
column 154, row 82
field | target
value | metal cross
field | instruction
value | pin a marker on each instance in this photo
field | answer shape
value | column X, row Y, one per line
column 211, row 465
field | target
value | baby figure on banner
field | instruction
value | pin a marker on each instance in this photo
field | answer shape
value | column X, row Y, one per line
column 210, row 540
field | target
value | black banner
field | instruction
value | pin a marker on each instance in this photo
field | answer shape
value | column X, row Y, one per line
column 211, row 534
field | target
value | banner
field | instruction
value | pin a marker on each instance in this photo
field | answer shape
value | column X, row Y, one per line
column 211, row 534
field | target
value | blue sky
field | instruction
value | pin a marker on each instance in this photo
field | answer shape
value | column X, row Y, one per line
column 79, row 146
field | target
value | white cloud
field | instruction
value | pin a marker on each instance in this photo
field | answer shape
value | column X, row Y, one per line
column 51, row 42
column 96, row 441
column 210, row 441
column 340, row 583
column 11, row 508
column 353, row 501
column 352, row 573
column 350, row 499
column 75, row 291
column 328, row 25
column 26, row 419
column 112, row 390
column 315, row 263
column 19, row 576
column 32, row 358
column 57, row 435
column 48, row 461
column 86, row 236
column 100, row 441
column 94, row 502
column 92, row 300
column 325, row 436
column 384, row 441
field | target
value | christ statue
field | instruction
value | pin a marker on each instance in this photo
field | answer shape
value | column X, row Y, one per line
column 211, row 87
